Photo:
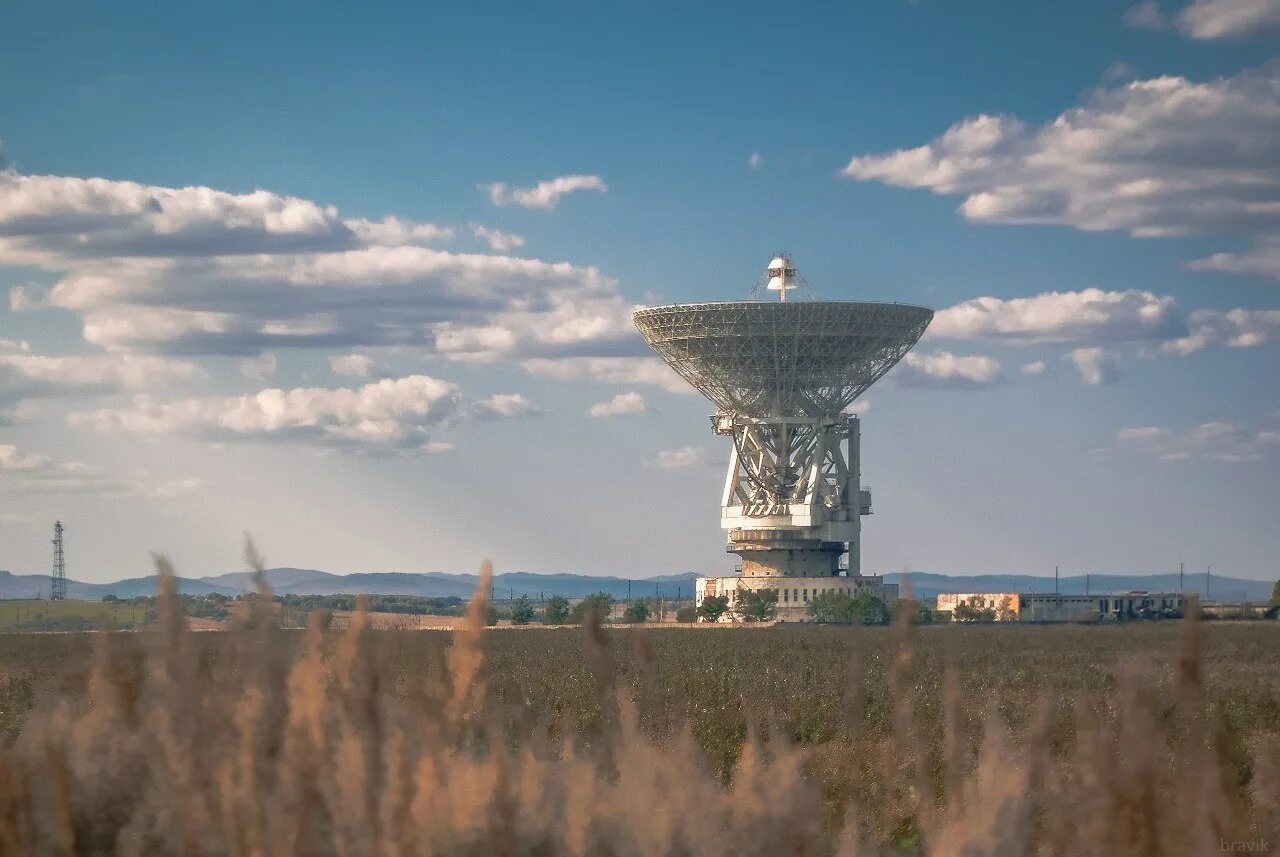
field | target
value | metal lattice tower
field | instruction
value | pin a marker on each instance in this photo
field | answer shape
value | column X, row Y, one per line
column 781, row 375
column 58, row 591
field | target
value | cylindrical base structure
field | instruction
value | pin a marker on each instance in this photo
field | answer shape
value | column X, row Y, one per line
column 785, row 553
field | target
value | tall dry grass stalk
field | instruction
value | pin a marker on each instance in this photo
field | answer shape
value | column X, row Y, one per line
column 280, row 751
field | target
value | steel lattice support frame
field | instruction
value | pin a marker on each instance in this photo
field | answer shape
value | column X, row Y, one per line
column 58, row 584
column 792, row 500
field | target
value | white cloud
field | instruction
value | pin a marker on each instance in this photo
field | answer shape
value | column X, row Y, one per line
column 44, row 216
column 1260, row 260
column 944, row 370
column 1097, row 365
column 685, row 456
column 1089, row 315
column 1226, row 19
column 389, row 414
column 1216, row 441
column 623, row 404
column 756, row 161
column 1237, row 328
column 260, row 369
column 649, row 371
column 505, row 406
column 1035, row 367
column 498, row 241
column 200, row 271
column 24, row 374
column 1146, row 16
column 546, row 194
column 1159, row 157
column 394, row 232
column 354, row 365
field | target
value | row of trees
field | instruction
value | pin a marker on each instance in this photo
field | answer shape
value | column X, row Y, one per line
column 558, row 610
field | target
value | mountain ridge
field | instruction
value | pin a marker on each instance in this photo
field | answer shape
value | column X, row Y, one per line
column 299, row 581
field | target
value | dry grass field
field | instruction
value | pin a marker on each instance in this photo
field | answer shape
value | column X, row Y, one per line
column 1146, row 738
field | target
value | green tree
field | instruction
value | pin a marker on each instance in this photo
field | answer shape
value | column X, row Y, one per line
column 868, row 609
column 521, row 611
column 557, row 610
column 831, row 607
column 686, row 614
column 713, row 607
column 924, row 614
column 1275, row 593
column 598, row 603
column 637, row 612
column 757, row 605
column 965, row 612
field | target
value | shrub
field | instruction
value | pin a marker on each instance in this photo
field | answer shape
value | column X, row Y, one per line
column 521, row 611
column 713, row 607
column 556, row 611
column 599, row 604
column 637, row 612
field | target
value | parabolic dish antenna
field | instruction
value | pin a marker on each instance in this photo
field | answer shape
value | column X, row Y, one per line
column 782, row 358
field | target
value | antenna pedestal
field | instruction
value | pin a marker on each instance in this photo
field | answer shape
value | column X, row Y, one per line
column 792, row 501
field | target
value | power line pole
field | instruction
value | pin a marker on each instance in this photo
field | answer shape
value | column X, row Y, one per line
column 1181, row 571
column 1208, row 576
column 1086, row 584
column 58, row 592
column 1055, row 580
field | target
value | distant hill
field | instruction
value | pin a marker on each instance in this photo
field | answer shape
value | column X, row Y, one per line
column 302, row 581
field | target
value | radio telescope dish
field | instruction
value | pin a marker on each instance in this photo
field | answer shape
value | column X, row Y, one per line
column 782, row 358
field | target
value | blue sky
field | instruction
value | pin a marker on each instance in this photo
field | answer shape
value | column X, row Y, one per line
column 1100, row 232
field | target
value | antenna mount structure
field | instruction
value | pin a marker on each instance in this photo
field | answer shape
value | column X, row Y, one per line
column 782, row 375
column 58, row 589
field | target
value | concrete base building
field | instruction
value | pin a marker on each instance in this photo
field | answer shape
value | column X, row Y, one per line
column 794, row 593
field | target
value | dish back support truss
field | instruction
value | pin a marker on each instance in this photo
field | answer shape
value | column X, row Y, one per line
column 782, row 359
column 776, row 464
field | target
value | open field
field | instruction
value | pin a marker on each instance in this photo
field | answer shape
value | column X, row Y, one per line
column 1073, row 740
column 24, row 615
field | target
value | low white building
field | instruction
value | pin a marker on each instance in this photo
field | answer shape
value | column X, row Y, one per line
column 794, row 593
column 1054, row 607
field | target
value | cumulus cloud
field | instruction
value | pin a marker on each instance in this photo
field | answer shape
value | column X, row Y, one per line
column 1096, row 365
column 1035, row 367
column 1089, row 315
column 1260, row 260
column 546, row 194
column 201, row 271
column 43, row 218
column 394, row 413
column 621, row 405
column 354, row 365
column 25, row 374
column 505, row 406
column 1237, row 328
column 498, row 241
column 1159, row 157
column 1210, row 19
column 1216, row 441
column 944, row 370
column 685, row 456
